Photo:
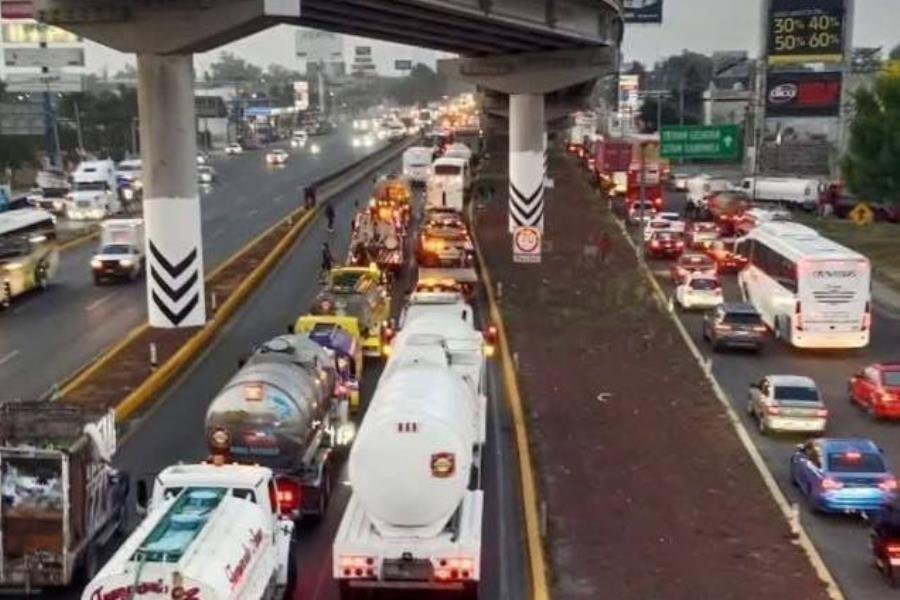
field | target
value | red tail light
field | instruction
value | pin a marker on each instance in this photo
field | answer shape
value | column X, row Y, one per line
column 822, row 413
column 679, row 244
column 773, row 410
column 798, row 316
column 893, row 548
column 831, row 484
column 867, row 318
column 888, row 485
column 357, row 566
column 654, row 244
column 287, row 496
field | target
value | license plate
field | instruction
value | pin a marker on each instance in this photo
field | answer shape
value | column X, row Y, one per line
column 407, row 570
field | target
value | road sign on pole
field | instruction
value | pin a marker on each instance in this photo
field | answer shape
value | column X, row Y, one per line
column 52, row 58
column 715, row 142
column 526, row 245
column 44, row 82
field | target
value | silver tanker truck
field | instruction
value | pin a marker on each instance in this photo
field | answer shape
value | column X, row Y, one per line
column 281, row 411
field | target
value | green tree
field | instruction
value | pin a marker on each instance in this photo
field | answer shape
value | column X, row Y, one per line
column 895, row 53
column 870, row 166
column 420, row 86
column 231, row 69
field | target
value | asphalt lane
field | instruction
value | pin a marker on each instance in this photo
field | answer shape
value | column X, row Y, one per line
column 45, row 337
column 173, row 429
column 842, row 541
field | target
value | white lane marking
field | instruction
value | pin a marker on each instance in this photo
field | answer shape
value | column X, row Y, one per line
column 277, row 199
column 98, row 302
column 8, row 357
column 20, row 308
column 216, row 233
column 252, row 213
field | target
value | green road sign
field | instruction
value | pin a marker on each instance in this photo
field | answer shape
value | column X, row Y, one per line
column 717, row 142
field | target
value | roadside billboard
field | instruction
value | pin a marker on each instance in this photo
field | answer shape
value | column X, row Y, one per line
column 643, row 11
column 629, row 97
column 803, row 31
column 30, row 32
column 301, row 95
column 803, row 94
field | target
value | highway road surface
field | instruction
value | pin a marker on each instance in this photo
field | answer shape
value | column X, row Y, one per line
column 44, row 337
column 842, row 541
column 173, row 429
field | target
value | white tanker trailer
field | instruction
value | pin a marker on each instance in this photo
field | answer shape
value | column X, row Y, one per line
column 280, row 411
column 413, row 521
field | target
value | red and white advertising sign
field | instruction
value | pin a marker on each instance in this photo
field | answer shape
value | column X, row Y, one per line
column 17, row 9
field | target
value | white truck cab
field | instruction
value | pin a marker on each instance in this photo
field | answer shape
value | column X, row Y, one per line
column 212, row 532
column 94, row 192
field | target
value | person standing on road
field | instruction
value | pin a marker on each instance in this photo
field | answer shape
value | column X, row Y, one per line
column 309, row 197
column 603, row 245
column 327, row 261
column 329, row 214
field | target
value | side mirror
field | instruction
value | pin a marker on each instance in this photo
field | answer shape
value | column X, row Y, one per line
column 143, row 496
column 290, row 328
column 799, row 447
column 242, row 360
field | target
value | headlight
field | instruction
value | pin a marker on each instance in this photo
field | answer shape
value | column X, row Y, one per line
column 137, row 184
column 14, row 266
column 96, row 263
column 128, row 193
column 345, row 433
column 315, row 149
column 125, row 262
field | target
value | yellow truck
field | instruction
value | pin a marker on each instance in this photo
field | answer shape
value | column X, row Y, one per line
column 341, row 336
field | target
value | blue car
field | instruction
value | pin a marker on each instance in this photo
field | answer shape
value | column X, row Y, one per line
column 843, row 475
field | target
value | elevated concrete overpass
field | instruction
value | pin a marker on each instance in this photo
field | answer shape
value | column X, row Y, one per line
column 527, row 49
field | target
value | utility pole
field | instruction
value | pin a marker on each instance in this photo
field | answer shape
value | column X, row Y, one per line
column 642, row 197
column 78, row 130
column 681, row 102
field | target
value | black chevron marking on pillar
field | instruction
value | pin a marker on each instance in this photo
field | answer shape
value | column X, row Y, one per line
column 162, row 273
column 176, row 317
column 531, row 218
column 174, row 294
column 521, row 198
column 173, row 270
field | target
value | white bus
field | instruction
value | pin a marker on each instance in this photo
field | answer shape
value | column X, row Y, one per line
column 811, row 291
column 29, row 255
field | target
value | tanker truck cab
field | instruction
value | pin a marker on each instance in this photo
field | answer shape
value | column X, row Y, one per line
column 280, row 411
column 414, row 518
column 211, row 533
column 341, row 336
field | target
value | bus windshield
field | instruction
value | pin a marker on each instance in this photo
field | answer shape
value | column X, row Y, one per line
column 90, row 186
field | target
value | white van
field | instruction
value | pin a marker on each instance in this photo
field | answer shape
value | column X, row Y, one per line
column 94, row 194
column 120, row 254
column 701, row 187
column 448, row 183
column 417, row 164
column 794, row 191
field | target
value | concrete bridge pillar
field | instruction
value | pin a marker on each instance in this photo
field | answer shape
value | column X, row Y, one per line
column 527, row 169
column 175, row 284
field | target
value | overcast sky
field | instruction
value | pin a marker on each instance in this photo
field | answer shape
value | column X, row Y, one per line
column 698, row 25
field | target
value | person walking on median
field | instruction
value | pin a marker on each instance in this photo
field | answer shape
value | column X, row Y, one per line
column 603, row 245
column 327, row 262
column 309, row 198
column 329, row 214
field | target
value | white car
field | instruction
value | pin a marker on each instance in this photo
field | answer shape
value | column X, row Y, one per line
column 202, row 158
column 234, row 148
column 788, row 403
column 634, row 213
column 699, row 291
column 298, row 139
column 206, row 174
column 276, row 157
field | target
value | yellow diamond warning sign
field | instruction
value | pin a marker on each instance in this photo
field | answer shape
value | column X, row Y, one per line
column 862, row 214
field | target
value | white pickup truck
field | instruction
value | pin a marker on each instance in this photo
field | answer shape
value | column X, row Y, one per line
column 212, row 532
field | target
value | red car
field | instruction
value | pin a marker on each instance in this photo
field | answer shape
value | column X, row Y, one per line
column 692, row 263
column 664, row 243
column 876, row 388
column 727, row 260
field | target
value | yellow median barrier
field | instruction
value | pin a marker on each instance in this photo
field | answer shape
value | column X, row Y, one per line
column 537, row 561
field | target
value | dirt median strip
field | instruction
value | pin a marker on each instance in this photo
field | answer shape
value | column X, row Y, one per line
column 649, row 492
column 122, row 378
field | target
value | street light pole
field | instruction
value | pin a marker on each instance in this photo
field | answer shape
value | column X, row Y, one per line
column 642, row 196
